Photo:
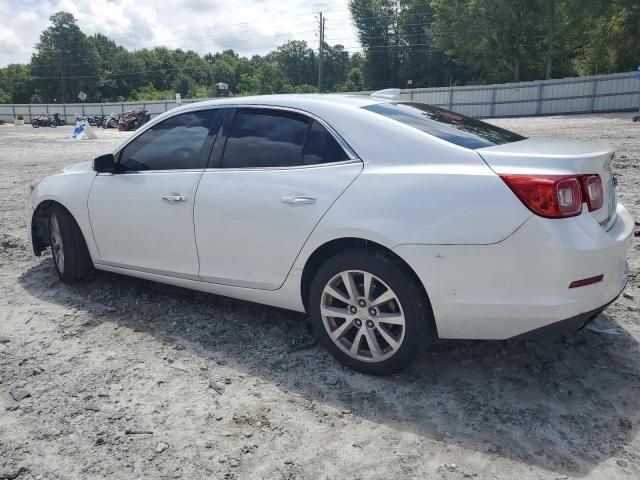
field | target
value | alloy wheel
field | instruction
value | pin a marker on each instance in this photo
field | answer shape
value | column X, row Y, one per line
column 57, row 247
column 362, row 316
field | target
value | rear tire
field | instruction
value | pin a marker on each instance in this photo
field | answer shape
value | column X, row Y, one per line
column 70, row 254
column 381, row 320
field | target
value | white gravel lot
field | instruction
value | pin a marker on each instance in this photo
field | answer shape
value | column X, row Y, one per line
column 103, row 361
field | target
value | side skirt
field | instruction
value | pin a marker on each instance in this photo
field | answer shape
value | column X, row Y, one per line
column 286, row 297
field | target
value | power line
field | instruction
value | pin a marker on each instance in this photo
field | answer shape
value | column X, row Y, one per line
column 207, row 45
column 218, row 26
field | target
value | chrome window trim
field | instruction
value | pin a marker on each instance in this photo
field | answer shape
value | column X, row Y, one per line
column 142, row 172
column 291, row 167
column 344, row 145
column 152, row 124
column 353, row 157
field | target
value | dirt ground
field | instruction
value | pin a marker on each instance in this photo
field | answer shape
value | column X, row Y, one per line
column 128, row 379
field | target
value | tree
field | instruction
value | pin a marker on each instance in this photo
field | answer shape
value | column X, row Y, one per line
column 16, row 83
column 5, row 97
column 336, row 63
column 498, row 38
column 378, row 32
column 65, row 62
column 108, row 51
column 430, row 42
column 611, row 40
column 297, row 62
column 399, row 43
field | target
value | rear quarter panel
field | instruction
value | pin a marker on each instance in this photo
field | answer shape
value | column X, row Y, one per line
column 416, row 189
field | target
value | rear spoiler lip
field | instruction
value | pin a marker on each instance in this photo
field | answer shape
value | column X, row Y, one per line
column 549, row 148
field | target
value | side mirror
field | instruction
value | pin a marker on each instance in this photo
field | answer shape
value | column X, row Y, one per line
column 104, row 163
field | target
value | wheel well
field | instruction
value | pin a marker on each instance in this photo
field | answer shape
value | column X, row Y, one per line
column 40, row 225
column 329, row 249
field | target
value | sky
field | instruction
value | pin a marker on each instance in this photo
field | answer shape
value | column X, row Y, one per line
column 247, row 26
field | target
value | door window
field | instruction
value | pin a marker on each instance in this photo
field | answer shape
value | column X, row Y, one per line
column 321, row 147
column 265, row 138
column 180, row 142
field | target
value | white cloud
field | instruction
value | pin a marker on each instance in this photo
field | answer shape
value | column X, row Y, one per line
column 249, row 27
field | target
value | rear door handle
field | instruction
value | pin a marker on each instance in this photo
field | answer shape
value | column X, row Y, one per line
column 298, row 200
column 175, row 198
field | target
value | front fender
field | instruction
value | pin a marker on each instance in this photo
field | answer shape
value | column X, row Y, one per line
column 71, row 190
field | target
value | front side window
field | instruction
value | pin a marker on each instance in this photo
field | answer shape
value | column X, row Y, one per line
column 180, row 142
column 265, row 138
column 450, row 126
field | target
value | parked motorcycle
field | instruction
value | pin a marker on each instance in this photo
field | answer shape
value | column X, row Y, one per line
column 95, row 120
column 133, row 119
column 58, row 119
column 111, row 121
column 43, row 121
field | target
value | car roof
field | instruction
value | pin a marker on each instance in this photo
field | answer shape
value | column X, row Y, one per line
column 302, row 101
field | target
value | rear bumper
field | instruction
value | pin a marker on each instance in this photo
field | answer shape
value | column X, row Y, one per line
column 521, row 284
column 567, row 325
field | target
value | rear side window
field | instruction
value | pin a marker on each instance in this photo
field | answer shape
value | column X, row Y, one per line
column 452, row 127
column 265, row 138
column 321, row 147
column 180, row 142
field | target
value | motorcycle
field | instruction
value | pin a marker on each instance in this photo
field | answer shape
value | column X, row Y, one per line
column 95, row 120
column 43, row 121
column 59, row 120
column 111, row 121
column 133, row 119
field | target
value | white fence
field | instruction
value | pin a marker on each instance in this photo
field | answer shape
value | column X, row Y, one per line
column 601, row 93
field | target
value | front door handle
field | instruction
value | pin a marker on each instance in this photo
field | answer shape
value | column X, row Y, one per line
column 175, row 198
column 298, row 200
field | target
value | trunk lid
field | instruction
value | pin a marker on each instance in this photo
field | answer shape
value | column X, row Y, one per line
column 540, row 156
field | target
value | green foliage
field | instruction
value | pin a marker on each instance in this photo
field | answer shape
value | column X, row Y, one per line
column 296, row 62
column 498, row 38
column 64, row 62
column 503, row 40
column 16, row 82
column 149, row 92
column 418, row 43
column 5, row 97
column 613, row 40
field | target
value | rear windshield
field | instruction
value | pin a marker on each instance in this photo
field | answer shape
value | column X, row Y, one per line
column 452, row 127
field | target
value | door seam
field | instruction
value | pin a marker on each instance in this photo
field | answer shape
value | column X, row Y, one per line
column 316, row 226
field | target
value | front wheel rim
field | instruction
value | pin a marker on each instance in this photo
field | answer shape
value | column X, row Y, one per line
column 362, row 316
column 57, row 247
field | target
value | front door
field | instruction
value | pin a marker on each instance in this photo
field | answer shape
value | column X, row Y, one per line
column 142, row 216
column 278, row 172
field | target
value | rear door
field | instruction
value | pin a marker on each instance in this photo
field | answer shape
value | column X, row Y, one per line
column 276, row 173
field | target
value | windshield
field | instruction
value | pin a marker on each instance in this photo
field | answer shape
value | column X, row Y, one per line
column 452, row 127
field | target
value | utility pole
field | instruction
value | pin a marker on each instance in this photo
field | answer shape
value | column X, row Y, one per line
column 60, row 67
column 320, row 52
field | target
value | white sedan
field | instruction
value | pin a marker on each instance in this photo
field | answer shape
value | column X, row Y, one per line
column 391, row 224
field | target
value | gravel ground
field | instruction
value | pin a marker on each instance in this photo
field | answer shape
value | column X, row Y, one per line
column 129, row 379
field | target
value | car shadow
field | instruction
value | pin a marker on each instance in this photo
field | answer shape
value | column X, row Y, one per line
column 560, row 404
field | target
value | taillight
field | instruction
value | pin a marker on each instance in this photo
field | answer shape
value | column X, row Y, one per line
column 592, row 191
column 550, row 196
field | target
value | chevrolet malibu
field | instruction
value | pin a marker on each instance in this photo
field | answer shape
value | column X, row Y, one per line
column 391, row 224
